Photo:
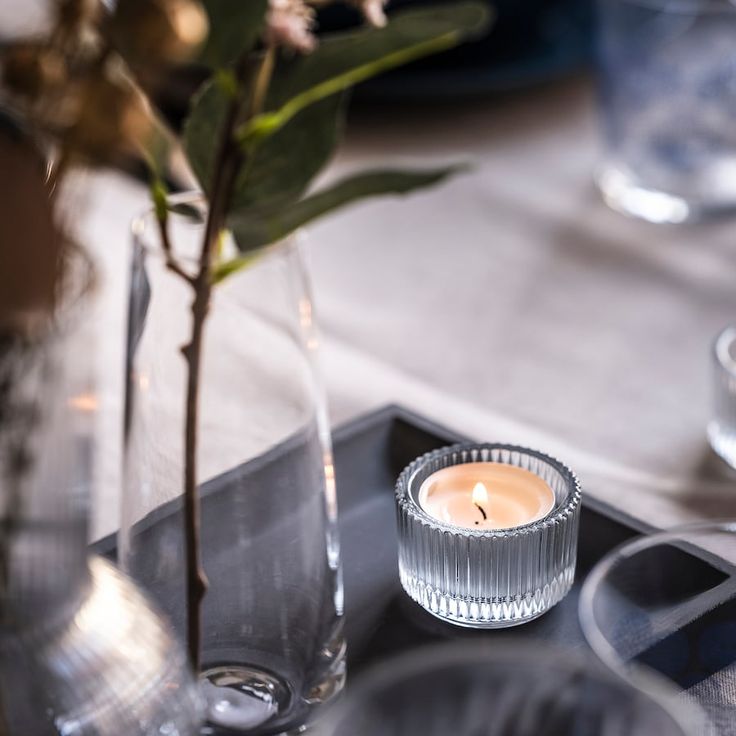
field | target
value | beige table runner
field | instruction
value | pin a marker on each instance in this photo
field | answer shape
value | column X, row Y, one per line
column 509, row 304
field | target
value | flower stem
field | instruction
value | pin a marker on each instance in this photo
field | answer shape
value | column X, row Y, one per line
column 196, row 577
column 227, row 164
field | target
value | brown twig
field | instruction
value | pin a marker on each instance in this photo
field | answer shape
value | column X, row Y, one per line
column 227, row 163
column 196, row 577
column 171, row 264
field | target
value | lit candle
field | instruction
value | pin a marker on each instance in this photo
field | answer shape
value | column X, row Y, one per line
column 486, row 495
column 503, row 548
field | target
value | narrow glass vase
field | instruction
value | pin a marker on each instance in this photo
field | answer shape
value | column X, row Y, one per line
column 272, row 646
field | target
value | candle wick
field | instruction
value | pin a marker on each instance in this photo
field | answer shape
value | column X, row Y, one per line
column 480, row 508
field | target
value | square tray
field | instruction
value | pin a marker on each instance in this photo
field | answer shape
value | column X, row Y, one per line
column 381, row 620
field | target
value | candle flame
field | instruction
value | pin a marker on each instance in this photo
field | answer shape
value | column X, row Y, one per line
column 480, row 494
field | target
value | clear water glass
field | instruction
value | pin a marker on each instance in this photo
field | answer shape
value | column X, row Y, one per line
column 666, row 603
column 667, row 72
column 498, row 689
column 722, row 427
column 272, row 643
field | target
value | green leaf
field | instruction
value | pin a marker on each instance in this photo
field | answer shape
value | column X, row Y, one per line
column 253, row 229
column 203, row 129
column 235, row 26
column 291, row 142
column 284, row 164
column 159, row 193
column 222, row 270
column 342, row 62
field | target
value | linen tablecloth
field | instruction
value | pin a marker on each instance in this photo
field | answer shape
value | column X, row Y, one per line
column 509, row 304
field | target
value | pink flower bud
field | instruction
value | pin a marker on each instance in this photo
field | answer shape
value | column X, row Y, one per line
column 289, row 23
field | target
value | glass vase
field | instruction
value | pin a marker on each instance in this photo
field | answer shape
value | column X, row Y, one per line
column 82, row 652
column 272, row 647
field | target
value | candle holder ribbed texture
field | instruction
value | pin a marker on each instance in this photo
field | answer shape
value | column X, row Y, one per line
column 488, row 579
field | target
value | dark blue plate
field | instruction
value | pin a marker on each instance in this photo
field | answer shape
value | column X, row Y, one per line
column 532, row 41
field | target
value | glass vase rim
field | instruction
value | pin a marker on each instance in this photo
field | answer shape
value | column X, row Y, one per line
column 504, row 652
column 142, row 224
column 407, row 480
column 682, row 7
column 625, row 551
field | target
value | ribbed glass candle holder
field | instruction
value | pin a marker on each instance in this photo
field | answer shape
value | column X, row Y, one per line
column 488, row 578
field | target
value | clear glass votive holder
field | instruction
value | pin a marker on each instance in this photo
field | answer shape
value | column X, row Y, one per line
column 722, row 426
column 667, row 93
column 483, row 578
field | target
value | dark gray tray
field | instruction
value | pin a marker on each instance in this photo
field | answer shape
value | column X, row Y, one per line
column 381, row 620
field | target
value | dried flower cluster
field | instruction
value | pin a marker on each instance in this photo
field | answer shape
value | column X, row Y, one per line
column 291, row 23
column 373, row 10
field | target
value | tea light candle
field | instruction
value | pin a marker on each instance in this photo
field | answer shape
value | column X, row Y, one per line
column 487, row 533
column 486, row 496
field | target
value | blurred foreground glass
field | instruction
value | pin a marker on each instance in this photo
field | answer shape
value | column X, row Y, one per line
column 722, row 427
column 498, row 689
column 667, row 602
column 272, row 645
column 667, row 73
column 82, row 652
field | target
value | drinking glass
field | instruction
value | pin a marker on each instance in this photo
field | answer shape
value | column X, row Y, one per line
column 722, row 427
column 272, row 643
column 498, row 689
column 667, row 71
column 667, row 603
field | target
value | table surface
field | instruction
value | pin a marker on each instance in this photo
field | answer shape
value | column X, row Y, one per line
column 509, row 304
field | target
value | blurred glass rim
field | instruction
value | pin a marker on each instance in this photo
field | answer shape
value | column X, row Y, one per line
column 508, row 654
column 689, row 7
column 144, row 228
column 586, row 605
column 722, row 346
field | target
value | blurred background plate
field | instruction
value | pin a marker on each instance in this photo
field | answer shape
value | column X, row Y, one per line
column 532, row 41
